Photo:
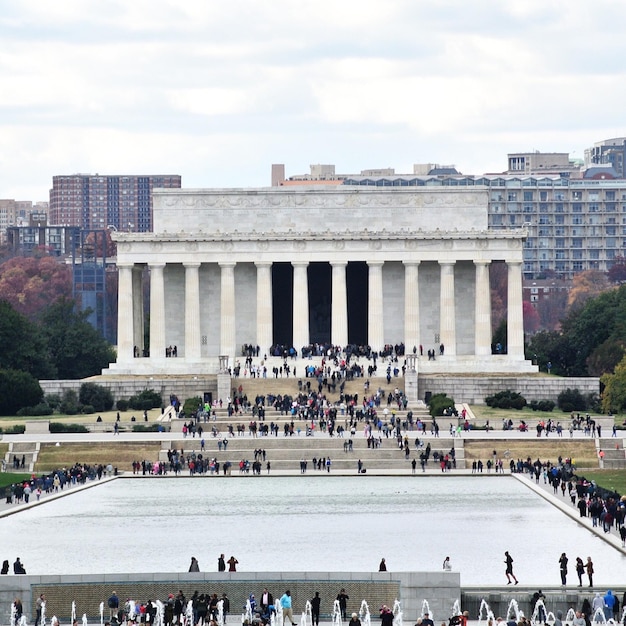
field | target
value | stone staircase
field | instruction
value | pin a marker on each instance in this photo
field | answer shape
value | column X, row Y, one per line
column 28, row 451
column 285, row 453
column 614, row 453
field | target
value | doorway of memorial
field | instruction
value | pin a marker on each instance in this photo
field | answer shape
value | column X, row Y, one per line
column 357, row 292
column 319, row 302
column 282, row 305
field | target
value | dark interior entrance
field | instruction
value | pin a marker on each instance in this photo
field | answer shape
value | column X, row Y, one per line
column 357, row 286
column 319, row 302
column 282, row 303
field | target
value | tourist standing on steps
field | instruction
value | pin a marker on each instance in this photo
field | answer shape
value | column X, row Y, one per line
column 232, row 564
column 508, row 560
column 194, row 567
column 221, row 564
column 383, row 566
column 589, row 568
column 563, row 568
column 447, row 566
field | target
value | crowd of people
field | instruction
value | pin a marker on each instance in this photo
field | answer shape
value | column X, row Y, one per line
column 53, row 482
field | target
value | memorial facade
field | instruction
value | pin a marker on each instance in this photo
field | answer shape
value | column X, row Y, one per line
column 301, row 266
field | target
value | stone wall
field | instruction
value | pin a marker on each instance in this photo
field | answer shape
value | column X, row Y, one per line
column 440, row 589
column 474, row 389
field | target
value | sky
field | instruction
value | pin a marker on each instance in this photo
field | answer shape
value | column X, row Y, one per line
column 218, row 91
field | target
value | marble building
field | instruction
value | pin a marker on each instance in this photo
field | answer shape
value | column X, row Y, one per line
column 294, row 266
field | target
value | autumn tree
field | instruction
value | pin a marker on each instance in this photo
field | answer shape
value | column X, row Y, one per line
column 531, row 318
column 617, row 272
column 30, row 284
column 586, row 285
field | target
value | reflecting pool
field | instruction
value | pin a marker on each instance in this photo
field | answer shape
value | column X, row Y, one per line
column 307, row 523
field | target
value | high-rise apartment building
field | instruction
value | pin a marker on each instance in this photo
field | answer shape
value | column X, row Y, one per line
column 95, row 201
column 20, row 213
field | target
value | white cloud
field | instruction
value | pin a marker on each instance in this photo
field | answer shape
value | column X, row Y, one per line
column 218, row 91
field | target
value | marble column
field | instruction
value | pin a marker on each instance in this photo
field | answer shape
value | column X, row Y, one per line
column 300, row 305
column 227, row 309
column 375, row 323
column 339, row 319
column 157, row 311
column 482, row 310
column 192, row 311
column 447, row 318
column 411, row 306
column 515, row 312
column 138, row 336
column 264, row 327
column 125, row 336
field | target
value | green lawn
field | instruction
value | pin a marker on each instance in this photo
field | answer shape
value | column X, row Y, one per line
column 609, row 479
column 10, row 479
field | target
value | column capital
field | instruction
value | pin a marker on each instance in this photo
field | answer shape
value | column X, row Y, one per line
column 338, row 263
column 125, row 265
column 264, row 263
column 446, row 262
column 375, row 263
column 191, row 264
column 156, row 264
column 482, row 262
column 513, row 263
column 410, row 263
column 227, row 264
column 300, row 263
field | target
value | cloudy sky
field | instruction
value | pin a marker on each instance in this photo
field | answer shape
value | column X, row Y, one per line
column 218, row 91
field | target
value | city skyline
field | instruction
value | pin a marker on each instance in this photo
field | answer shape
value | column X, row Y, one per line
column 217, row 93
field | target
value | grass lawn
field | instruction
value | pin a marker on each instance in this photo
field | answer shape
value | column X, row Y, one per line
column 495, row 416
column 119, row 454
column 609, row 479
column 10, row 479
column 547, row 449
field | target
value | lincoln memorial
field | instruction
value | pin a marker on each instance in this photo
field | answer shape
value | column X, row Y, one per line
column 301, row 266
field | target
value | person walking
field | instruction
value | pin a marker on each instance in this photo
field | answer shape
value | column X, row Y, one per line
column 589, row 568
column 194, row 566
column 508, row 560
column 285, row 603
column 563, row 568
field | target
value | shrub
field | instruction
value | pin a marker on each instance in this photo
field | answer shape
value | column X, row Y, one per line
column 122, row 405
column 146, row 400
column 506, row 400
column 571, row 400
column 53, row 400
column 39, row 409
column 69, row 402
column 58, row 427
column 542, row 405
column 16, row 429
column 99, row 397
column 148, row 428
column 87, row 409
column 439, row 403
column 191, row 405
